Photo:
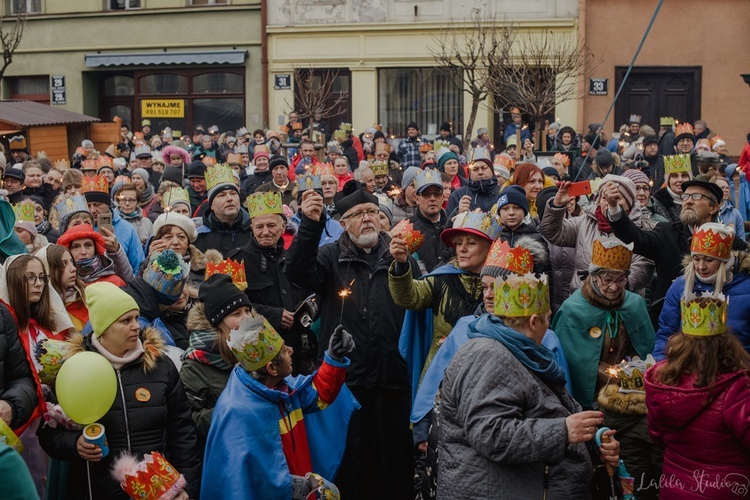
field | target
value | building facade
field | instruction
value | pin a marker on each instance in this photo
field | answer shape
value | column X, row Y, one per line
column 178, row 63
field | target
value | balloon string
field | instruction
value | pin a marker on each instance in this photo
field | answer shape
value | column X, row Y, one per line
column 88, row 477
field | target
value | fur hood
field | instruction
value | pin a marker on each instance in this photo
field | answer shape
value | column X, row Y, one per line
column 537, row 248
column 197, row 259
column 153, row 347
column 197, row 321
column 632, row 403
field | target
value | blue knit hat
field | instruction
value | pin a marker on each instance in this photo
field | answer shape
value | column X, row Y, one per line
column 515, row 195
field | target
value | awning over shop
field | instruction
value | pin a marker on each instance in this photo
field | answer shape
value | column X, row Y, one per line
column 166, row 58
column 28, row 114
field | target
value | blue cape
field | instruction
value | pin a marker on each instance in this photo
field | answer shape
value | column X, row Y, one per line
column 416, row 334
column 433, row 377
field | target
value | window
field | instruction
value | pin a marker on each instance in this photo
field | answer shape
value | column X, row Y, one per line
column 118, row 85
column 124, row 4
column 424, row 95
column 208, row 2
column 31, row 88
column 25, row 6
column 218, row 83
column 164, row 83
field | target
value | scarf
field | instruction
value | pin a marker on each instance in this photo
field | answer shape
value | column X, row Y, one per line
column 675, row 197
column 201, row 349
column 602, row 223
column 484, row 186
column 90, row 270
column 135, row 214
column 537, row 358
column 147, row 194
column 43, row 227
column 118, row 362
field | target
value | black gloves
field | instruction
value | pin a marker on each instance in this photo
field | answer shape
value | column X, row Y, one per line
column 341, row 343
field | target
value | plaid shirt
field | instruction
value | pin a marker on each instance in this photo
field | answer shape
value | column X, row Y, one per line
column 408, row 152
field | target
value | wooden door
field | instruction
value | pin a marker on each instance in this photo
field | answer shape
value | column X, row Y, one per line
column 653, row 92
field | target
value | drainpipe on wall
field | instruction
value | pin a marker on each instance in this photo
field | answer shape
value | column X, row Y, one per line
column 264, row 58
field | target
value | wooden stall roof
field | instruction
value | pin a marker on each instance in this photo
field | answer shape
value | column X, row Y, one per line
column 29, row 114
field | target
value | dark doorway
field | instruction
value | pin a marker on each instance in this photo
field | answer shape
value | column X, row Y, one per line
column 659, row 91
column 341, row 87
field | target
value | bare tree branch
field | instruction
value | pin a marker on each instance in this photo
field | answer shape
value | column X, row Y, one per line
column 10, row 38
column 314, row 94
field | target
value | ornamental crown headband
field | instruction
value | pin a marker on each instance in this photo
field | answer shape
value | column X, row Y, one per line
column 704, row 316
column 521, row 296
column 612, row 254
column 677, row 163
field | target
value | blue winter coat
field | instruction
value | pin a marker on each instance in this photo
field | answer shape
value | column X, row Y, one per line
column 333, row 229
column 128, row 238
column 738, row 291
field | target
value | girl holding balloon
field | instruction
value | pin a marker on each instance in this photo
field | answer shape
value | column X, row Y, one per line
column 121, row 378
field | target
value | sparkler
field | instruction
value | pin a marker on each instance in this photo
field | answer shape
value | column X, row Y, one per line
column 344, row 293
column 394, row 192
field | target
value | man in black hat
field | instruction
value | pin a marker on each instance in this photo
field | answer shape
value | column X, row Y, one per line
column 604, row 164
column 226, row 225
column 197, row 190
column 707, row 163
column 279, row 167
column 408, row 149
column 668, row 242
column 446, row 134
column 13, row 180
column 379, row 439
column 655, row 162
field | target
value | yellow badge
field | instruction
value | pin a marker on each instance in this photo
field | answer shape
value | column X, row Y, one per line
column 595, row 332
column 142, row 394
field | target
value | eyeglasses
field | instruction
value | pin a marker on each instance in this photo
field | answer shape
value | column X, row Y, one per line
column 371, row 213
column 127, row 200
column 608, row 282
column 695, row 197
column 642, row 188
column 32, row 278
column 431, row 194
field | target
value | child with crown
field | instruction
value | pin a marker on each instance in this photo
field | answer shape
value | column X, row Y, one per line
column 698, row 400
column 503, row 383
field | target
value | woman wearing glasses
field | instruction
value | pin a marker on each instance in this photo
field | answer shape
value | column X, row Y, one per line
column 128, row 199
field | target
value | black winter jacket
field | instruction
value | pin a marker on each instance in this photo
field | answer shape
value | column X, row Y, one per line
column 433, row 252
column 483, row 194
column 256, row 180
column 221, row 236
column 370, row 314
column 150, row 413
column 270, row 292
column 17, row 386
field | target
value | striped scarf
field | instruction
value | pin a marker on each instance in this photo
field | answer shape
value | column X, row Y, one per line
column 201, row 349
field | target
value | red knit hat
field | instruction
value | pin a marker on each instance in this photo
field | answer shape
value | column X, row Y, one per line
column 79, row 232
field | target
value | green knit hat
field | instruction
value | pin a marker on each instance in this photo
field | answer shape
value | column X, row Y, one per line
column 106, row 302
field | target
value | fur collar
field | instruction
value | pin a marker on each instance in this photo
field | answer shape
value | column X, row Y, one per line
column 197, row 259
column 631, row 403
column 153, row 347
column 197, row 321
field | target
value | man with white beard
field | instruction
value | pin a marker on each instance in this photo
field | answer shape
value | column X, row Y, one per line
column 379, row 439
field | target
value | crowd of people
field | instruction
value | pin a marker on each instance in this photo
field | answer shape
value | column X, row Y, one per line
column 308, row 313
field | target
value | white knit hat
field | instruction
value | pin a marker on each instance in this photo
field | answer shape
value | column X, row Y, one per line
column 179, row 220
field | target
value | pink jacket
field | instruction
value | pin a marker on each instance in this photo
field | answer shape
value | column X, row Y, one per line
column 707, row 449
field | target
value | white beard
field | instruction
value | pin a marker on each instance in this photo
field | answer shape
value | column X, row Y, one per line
column 367, row 240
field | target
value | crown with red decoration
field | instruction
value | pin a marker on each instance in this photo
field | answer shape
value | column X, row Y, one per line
column 95, row 184
column 104, row 161
column 152, row 478
column 684, row 128
column 89, row 165
column 713, row 239
column 517, row 260
column 230, row 267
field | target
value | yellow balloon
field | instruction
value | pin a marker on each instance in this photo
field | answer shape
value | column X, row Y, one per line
column 86, row 387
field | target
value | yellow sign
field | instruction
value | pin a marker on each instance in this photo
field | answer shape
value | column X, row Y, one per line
column 162, row 108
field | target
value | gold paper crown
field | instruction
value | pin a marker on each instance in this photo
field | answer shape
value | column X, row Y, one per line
column 17, row 142
column 521, row 296
column 153, row 479
column 234, row 158
column 208, row 161
column 264, row 203
column 40, row 154
column 440, row 144
column 630, row 373
column 666, row 121
column 297, row 126
column 218, row 174
column 684, row 128
column 612, row 254
column 113, row 151
column 260, row 148
column 96, row 183
column 138, row 136
column 321, row 169
column 24, row 212
column 379, row 168
column 89, row 165
column 173, row 196
column 346, row 127
column 425, row 147
column 61, row 164
column 704, row 316
column 104, row 161
column 677, row 163
column 382, row 146
column 339, row 135
column 713, row 239
column 232, row 268
column 255, row 343
column 515, row 259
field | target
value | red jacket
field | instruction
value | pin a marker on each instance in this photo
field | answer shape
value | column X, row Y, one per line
column 707, row 449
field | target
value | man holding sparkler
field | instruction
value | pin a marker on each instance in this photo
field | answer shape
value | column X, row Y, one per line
column 351, row 278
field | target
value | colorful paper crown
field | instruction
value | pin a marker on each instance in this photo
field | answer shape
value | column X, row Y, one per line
column 521, row 296
column 255, row 343
column 241, row 149
column 717, row 141
column 166, row 273
column 379, row 168
column 346, row 127
column 479, row 152
column 308, row 181
column 427, row 177
column 478, row 221
column 113, row 151
column 382, row 146
column 515, row 259
column 704, row 316
column 66, row 208
column 242, row 131
column 174, row 196
column 414, row 237
column 505, row 160
column 17, row 142
column 385, row 201
column 89, row 165
column 630, row 373
column 103, row 161
column 24, row 212
column 562, row 158
column 153, row 478
column 232, row 268
column 677, row 163
column 666, row 121
column 264, row 203
column 218, row 174
column 49, row 354
column 208, row 161
column 61, row 164
column 713, row 239
column 94, row 184
column 80, row 151
column 138, row 138
column 612, row 254
column 635, row 119
column 684, row 128
column 339, row 135
column 321, row 169
column 425, row 147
